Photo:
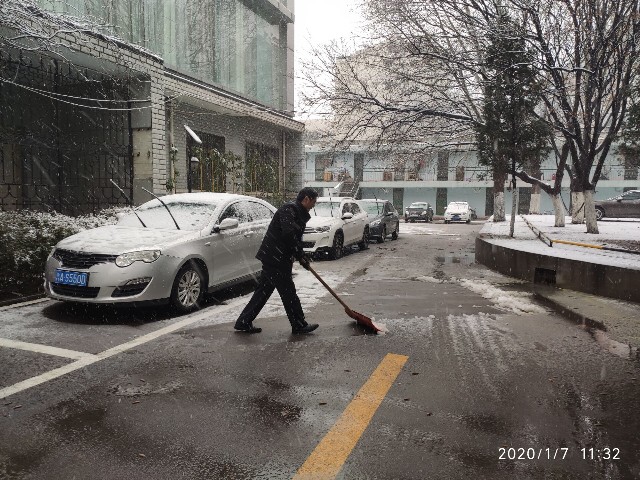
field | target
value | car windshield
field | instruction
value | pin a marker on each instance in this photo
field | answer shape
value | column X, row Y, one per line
column 326, row 209
column 459, row 204
column 418, row 205
column 373, row 208
column 189, row 215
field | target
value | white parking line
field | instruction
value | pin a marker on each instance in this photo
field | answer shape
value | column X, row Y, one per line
column 23, row 304
column 35, row 347
column 85, row 361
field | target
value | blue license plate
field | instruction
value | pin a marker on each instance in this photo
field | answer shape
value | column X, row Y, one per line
column 456, row 217
column 67, row 277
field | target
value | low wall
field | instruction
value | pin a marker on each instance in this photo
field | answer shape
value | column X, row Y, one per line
column 603, row 280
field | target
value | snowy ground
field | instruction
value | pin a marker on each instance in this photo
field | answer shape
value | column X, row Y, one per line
column 622, row 234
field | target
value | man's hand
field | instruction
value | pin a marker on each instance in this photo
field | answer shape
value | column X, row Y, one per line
column 305, row 261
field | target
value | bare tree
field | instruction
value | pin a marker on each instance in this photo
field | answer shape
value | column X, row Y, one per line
column 588, row 53
column 420, row 73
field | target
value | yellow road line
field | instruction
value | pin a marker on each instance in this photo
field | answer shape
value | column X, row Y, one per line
column 588, row 245
column 329, row 456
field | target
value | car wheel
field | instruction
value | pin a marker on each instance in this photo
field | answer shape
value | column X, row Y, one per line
column 396, row 232
column 338, row 244
column 412, row 220
column 383, row 235
column 187, row 288
column 468, row 221
column 599, row 213
column 364, row 243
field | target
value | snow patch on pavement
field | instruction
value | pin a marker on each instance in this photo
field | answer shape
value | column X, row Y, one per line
column 516, row 302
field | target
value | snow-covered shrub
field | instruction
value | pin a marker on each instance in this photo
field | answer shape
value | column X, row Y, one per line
column 27, row 237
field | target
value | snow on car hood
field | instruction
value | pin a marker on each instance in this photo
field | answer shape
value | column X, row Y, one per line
column 322, row 221
column 116, row 239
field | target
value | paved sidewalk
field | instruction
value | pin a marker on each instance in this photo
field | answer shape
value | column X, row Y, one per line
column 614, row 322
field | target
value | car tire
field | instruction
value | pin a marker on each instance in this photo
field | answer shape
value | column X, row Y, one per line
column 468, row 221
column 335, row 252
column 383, row 235
column 413, row 220
column 446, row 221
column 396, row 232
column 188, row 288
column 599, row 213
column 364, row 243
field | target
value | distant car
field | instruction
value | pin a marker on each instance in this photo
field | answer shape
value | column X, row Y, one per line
column 336, row 222
column 626, row 205
column 146, row 256
column 383, row 219
column 418, row 211
column 457, row 212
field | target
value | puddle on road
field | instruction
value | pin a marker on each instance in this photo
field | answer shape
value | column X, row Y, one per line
column 450, row 259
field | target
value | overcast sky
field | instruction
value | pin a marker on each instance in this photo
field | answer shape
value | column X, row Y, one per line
column 320, row 21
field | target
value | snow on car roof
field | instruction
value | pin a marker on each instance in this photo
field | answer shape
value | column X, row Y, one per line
column 458, row 203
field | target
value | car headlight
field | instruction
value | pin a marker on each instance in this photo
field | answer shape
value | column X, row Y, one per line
column 375, row 223
column 406, row 212
column 424, row 212
column 146, row 256
column 321, row 229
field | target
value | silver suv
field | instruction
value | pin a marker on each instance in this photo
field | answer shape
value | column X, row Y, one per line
column 336, row 222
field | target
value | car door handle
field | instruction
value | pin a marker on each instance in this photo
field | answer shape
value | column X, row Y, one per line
column 208, row 244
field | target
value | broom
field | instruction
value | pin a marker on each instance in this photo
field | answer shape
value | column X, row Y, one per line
column 358, row 317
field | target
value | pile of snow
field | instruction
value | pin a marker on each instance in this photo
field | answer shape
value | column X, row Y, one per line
column 516, row 302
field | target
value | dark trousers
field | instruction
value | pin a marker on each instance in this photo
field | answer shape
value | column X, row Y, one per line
column 274, row 278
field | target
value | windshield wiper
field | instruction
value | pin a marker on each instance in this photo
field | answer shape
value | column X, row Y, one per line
column 128, row 200
column 164, row 204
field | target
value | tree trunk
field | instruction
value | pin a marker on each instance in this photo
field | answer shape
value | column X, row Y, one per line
column 534, row 206
column 577, row 207
column 498, row 197
column 514, row 208
column 558, row 208
column 590, row 212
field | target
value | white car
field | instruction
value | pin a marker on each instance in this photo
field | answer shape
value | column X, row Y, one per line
column 457, row 212
column 336, row 222
column 199, row 242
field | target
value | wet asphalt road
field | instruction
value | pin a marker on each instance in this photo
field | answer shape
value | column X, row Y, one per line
column 483, row 376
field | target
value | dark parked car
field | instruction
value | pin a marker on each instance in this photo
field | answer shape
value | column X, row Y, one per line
column 418, row 211
column 383, row 219
column 624, row 206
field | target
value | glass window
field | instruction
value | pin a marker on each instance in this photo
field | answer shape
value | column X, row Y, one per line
column 238, row 210
column 230, row 42
column 326, row 209
column 355, row 209
column 259, row 211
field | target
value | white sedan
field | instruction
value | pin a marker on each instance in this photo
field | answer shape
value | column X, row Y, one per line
column 457, row 212
column 176, row 251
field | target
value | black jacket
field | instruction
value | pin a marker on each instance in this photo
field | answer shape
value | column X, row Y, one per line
column 283, row 240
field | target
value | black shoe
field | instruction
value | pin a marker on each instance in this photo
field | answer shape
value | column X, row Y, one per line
column 306, row 329
column 247, row 329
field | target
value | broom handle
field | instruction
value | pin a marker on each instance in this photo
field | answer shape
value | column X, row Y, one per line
column 328, row 288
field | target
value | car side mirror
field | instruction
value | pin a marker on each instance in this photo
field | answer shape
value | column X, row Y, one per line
column 226, row 224
column 619, row 200
column 347, row 216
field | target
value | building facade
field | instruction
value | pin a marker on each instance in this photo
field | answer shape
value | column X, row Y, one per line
column 442, row 177
column 165, row 95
